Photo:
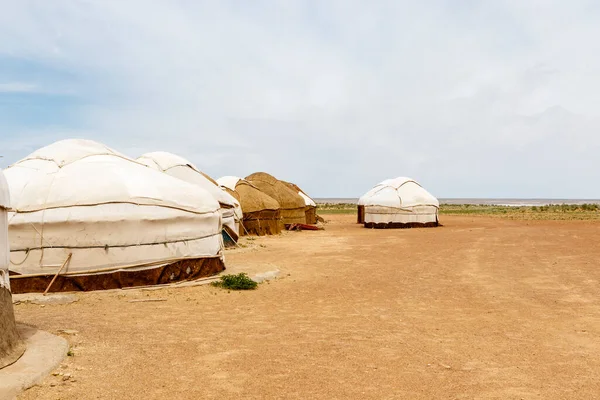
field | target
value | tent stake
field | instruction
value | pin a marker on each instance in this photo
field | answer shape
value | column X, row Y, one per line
column 59, row 271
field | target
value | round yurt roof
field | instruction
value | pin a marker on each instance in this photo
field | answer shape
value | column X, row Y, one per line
column 67, row 151
column 181, row 168
column 286, row 196
column 227, row 185
column 251, row 198
column 229, row 181
column 398, row 192
column 50, row 159
column 307, row 200
column 81, row 172
column 164, row 160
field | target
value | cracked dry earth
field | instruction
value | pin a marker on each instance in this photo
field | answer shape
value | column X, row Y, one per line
column 480, row 308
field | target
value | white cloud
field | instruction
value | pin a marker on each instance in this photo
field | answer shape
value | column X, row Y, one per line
column 17, row 87
column 472, row 100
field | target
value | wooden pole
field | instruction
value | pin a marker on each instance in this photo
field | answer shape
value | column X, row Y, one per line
column 234, row 242
column 59, row 271
column 245, row 230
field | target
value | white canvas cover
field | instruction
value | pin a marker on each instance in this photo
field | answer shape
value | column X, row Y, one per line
column 230, row 182
column 4, row 248
column 307, row 200
column 11, row 345
column 399, row 200
column 180, row 168
column 110, row 212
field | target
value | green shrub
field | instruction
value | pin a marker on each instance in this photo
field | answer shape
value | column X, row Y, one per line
column 240, row 281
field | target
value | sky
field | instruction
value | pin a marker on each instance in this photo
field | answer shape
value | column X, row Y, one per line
column 470, row 98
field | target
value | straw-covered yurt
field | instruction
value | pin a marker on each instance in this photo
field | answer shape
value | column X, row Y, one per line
column 181, row 168
column 11, row 346
column 261, row 211
column 291, row 203
column 92, row 218
column 310, row 207
column 398, row 203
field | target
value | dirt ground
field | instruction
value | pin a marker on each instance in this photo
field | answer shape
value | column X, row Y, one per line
column 480, row 308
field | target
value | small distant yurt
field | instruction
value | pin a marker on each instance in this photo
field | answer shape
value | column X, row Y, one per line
column 292, row 204
column 181, row 168
column 398, row 203
column 91, row 218
column 261, row 213
column 11, row 346
column 310, row 207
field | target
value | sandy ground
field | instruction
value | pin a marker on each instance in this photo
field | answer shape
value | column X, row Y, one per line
column 480, row 308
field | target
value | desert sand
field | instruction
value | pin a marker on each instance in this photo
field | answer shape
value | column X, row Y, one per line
column 481, row 308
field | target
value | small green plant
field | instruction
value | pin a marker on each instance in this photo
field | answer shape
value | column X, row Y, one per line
column 240, row 281
column 70, row 353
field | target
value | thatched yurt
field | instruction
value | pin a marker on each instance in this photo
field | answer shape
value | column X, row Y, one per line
column 11, row 346
column 261, row 212
column 310, row 207
column 398, row 203
column 291, row 203
column 95, row 219
column 181, row 168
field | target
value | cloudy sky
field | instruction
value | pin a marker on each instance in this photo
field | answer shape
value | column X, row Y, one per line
column 471, row 98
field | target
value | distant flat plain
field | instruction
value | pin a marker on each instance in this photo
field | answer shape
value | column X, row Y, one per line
column 477, row 201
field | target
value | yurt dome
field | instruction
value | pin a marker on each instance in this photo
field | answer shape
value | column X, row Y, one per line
column 181, row 168
column 292, row 204
column 96, row 219
column 398, row 203
column 310, row 207
column 50, row 159
column 11, row 346
column 261, row 213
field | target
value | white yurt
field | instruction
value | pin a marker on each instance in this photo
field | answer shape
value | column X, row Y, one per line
column 11, row 346
column 181, row 168
column 398, row 203
column 92, row 218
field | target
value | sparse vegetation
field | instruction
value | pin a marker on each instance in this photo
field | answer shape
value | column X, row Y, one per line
column 240, row 281
column 336, row 208
column 545, row 212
